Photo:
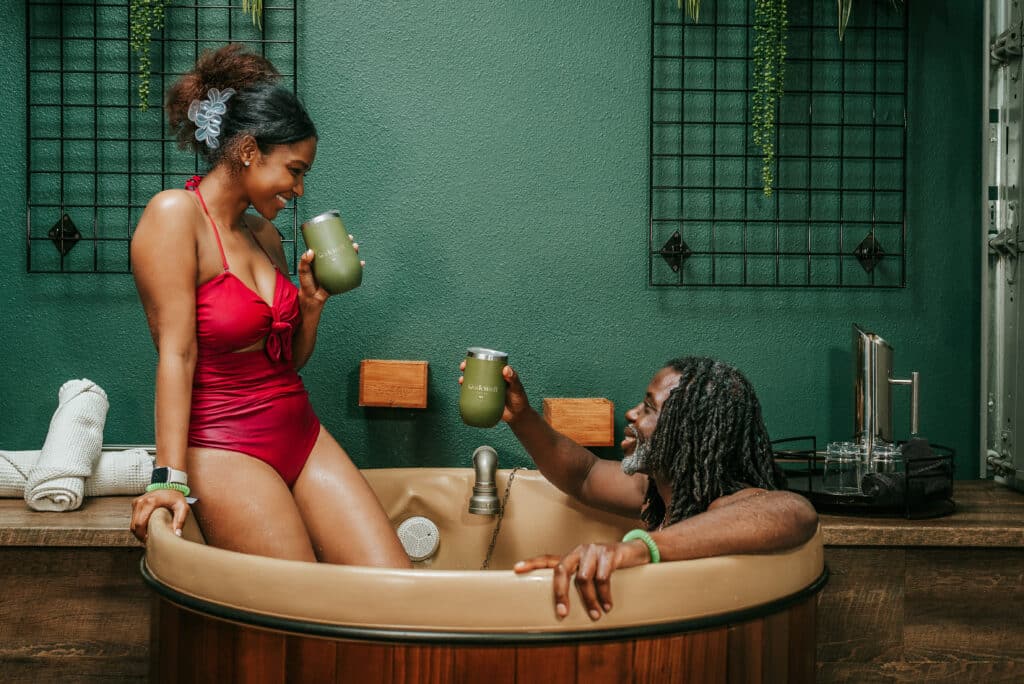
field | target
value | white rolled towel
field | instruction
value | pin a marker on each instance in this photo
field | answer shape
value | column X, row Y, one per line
column 14, row 467
column 57, row 480
column 120, row 472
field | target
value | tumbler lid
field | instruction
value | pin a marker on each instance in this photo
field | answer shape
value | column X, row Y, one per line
column 486, row 354
column 331, row 214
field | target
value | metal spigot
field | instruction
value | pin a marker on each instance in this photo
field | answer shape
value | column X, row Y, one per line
column 485, row 492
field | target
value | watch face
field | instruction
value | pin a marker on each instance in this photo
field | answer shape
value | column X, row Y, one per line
column 160, row 474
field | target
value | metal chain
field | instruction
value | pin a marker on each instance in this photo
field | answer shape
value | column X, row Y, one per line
column 501, row 516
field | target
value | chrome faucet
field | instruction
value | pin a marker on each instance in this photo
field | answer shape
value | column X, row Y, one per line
column 485, row 492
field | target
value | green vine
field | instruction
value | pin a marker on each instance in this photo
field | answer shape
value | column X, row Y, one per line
column 146, row 18
column 692, row 8
column 770, row 25
column 845, row 6
column 255, row 8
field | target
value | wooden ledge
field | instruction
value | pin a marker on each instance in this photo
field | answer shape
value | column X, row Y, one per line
column 987, row 515
column 100, row 522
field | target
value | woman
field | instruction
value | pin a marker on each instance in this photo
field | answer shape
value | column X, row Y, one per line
column 234, row 426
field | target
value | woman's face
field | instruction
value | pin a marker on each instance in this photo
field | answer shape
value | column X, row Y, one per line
column 274, row 179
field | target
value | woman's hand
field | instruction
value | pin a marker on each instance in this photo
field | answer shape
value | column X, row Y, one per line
column 515, row 396
column 593, row 565
column 309, row 290
column 143, row 507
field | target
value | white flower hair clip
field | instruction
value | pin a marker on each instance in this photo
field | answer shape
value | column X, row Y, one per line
column 207, row 115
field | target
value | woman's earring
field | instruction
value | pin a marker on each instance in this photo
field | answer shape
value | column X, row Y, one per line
column 246, row 163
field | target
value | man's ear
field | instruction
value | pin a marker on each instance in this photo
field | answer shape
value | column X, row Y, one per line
column 249, row 151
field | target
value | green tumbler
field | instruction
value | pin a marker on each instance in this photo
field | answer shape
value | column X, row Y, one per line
column 482, row 399
column 336, row 266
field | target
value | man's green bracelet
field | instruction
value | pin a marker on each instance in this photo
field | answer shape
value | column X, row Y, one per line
column 646, row 539
column 169, row 485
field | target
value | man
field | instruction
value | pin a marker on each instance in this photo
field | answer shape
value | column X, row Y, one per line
column 697, row 470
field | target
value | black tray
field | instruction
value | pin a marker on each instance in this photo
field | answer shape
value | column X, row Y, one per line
column 803, row 464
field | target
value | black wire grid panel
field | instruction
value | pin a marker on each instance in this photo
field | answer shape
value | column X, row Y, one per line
column 837, row 215
column 93, row 158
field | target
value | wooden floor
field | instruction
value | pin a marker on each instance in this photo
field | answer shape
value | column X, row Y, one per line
column 907, row 601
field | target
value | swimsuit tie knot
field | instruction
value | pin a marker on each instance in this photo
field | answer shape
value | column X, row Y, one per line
column 279, row 341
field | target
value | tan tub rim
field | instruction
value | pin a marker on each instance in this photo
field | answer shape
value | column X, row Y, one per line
column 433, row 636
column 402, row 605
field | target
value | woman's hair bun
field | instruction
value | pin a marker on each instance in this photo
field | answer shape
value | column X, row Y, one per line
column 231, row 66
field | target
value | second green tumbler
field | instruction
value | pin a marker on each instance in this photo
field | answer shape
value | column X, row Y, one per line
column 482, row 399
column 336, row 266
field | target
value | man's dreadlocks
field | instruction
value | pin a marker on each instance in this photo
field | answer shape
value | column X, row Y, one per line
column 710, row 441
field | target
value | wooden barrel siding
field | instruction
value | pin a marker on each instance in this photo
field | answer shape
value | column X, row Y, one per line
column 195, row 647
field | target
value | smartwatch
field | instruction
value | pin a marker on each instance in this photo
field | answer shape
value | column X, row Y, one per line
column 165, row 474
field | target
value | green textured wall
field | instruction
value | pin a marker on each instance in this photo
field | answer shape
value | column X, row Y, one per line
column 491, row 158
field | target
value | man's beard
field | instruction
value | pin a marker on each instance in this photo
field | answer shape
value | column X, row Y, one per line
column 640, row 460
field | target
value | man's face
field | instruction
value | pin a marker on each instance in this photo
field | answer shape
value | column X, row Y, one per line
column 642, row 419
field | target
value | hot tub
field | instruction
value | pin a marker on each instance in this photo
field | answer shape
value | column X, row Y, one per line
column 224, row 616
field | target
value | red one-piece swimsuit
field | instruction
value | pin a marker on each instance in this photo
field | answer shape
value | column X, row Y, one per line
column 251, row 402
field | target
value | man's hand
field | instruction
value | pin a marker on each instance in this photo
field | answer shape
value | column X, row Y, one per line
column 515, row 396
column 593, row 565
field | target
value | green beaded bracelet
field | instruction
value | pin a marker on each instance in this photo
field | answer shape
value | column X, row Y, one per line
column 169, row 485
column 646, row 539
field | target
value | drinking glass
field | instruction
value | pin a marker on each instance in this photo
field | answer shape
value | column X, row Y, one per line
column 887, row 458
column 843, row 468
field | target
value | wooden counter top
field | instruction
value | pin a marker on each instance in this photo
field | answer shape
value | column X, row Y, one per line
column 987, row 515
column 101, row 521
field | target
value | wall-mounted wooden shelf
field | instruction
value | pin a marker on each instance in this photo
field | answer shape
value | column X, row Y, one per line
column 589, row 422
column 394, row 384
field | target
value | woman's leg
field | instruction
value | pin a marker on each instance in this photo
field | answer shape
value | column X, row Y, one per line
column 344, row 517
column 245, row 506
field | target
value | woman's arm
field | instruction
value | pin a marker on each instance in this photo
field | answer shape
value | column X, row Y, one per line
column 312, row 297
column 311, row 304
column 165, row 267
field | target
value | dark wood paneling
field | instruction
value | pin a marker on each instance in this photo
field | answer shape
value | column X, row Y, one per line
column 860, row 612
column 922, row 614
column 746, row 653
column 967, row 606
column 482, row 665
column 599, row 663
column 72, row 610
column 802, row 651
column 423, row 665
column 259, row 657
column 362, row 662
column 310, row 660
column 213, row 650
column 776, row 648
column 546, row 664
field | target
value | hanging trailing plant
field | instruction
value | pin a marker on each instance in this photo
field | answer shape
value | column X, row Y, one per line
column 770, row 26
column 255, row 9
column 692, row 8
column 146, row 17
column 845, row 6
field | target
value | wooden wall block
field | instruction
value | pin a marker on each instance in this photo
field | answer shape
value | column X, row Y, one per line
column 397, row 384
column 590, row 422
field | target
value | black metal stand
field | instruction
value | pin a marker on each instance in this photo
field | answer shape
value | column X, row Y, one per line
column 804, row 467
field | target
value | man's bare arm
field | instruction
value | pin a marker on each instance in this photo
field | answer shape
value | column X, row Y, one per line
column 749, row 521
